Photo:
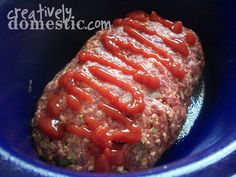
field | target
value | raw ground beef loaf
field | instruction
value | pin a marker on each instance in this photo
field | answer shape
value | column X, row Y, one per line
column 121, row 102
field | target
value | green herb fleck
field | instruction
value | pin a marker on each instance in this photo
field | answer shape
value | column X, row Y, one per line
column 64, row 162
column 30, row 86
column 140, row 146
column 154, row 130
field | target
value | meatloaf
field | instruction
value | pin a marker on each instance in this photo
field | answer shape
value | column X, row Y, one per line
column 122, row 100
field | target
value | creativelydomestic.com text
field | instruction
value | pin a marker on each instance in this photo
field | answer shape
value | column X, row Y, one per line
column 51, row 18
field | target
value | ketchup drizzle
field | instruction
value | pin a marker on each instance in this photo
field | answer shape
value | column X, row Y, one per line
column 103, row 139
column 141, row 77
column 175, row 44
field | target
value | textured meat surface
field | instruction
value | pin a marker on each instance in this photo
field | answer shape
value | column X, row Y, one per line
column 160, row 121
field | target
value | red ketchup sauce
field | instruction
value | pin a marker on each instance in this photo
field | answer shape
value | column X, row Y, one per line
column 176, row 45
column 190, row 38
column 99, row 135
column 103, row 139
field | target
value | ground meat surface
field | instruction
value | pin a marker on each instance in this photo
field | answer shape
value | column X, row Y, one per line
column 122, row 101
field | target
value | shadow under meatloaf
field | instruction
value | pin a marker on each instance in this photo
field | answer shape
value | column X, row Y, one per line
column 160, row 121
